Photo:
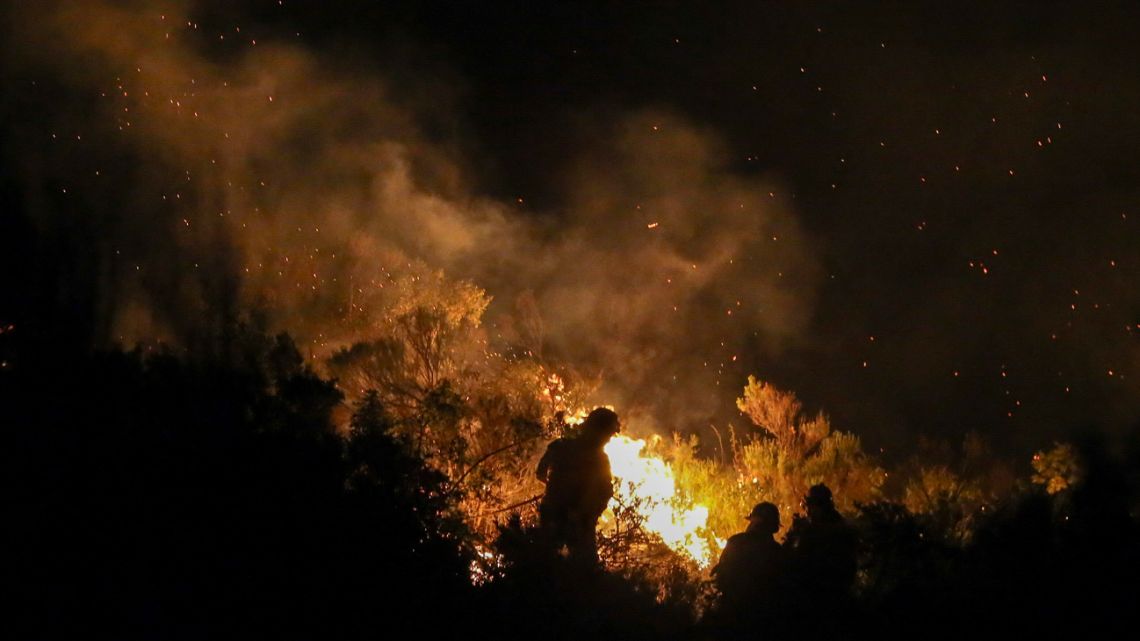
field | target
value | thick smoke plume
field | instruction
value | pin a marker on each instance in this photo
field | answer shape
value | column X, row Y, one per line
column 221, row 178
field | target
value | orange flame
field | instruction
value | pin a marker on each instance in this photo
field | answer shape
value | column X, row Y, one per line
column 681, row 524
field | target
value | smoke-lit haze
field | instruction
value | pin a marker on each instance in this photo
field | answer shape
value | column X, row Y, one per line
column 269, row 177
column 921, row 221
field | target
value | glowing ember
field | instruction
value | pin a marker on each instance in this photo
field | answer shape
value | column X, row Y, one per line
column 666, row 513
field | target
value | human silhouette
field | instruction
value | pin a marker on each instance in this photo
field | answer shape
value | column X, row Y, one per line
column 751, row 568
column 823, row 546
column 579, row 485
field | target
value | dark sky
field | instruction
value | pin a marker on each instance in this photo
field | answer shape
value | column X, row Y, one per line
column 965, row 176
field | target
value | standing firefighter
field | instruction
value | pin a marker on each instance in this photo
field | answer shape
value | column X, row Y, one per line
column 576, row 472
column 750, row 573
column 824, row 547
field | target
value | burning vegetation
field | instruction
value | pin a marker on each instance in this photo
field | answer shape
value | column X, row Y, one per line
column 481, row 417
column 277, row 367
column 334, row 497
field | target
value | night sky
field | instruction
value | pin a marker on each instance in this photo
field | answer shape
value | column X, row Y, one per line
column 938, row 227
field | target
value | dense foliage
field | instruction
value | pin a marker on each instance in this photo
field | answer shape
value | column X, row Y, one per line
column 243, row 490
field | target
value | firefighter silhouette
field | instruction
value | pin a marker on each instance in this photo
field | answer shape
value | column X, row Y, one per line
column 750, row 573
column 824, row 548
column 579, row 485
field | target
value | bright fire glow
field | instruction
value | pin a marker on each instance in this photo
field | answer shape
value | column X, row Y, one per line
column 666, row 513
